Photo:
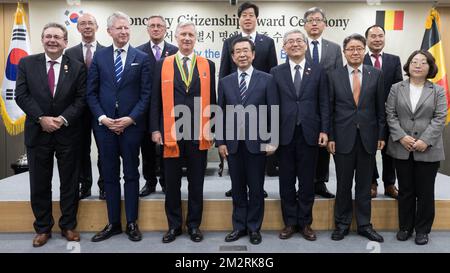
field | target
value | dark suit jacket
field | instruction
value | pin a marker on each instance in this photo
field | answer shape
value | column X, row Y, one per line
column 34, row 98
column 260, row 92
column 346, row 117
column 131, row 94
column 392, row 70
column 180, row 95
column 76, row 52
column 331, row 58
column 265, row 55
column 313, row 102
column 168, row 50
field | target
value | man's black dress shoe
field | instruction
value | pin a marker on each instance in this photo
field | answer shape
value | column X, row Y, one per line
column 228, row 193
column 147, row 190
column 171, row 235
column 339, row 234
column 421, row 239
column 255, row 237
column 235, row 235
column 321, row 189
column 370, row 234
column 107, row 232
column 133, row 232
column 102, row 195
column 196, row 234
column 84, row 193
column 403, row 235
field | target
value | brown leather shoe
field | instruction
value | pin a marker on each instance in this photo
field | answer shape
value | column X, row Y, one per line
column 287, row 232
column 71, row 235
column 41, row 239
column 374, row 190
column 391, row 191
column 308, row 233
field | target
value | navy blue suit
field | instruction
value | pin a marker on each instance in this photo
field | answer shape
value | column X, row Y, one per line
column 130, row 97
column 302, row 118
column 195, row 159
column 148, row 147
column 246, row 159
column 392, row 72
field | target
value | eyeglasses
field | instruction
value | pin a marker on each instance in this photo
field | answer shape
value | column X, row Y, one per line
column 89, row 23
column 240, row 51
column 357, row 49
column 314, row 20
column 416, row 63
column 292, row 42
column 56, row 37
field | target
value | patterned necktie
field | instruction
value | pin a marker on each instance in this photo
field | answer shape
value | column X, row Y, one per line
column 118, row 67
column 243, row 86
column 185, row 67
column 157, row 52
column 51, row 78
column 88, row 59
column 356, row 86
column 315, row 52
column 297, row 80
column 377, row 63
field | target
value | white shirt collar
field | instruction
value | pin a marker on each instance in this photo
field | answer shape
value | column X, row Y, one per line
column 160, row 45
column 249, row 71
column 293, row 64
column 253, row 34
column 350, row 69
column 47, row 59
column 94, row 44
column 318, row 40
column 190, row 56
column 381, row 53
column 125, row 47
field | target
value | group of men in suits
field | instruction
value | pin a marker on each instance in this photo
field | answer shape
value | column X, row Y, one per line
column 131, row 94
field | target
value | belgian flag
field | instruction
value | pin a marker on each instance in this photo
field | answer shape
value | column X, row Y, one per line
column 390, row 19
column 433, row 44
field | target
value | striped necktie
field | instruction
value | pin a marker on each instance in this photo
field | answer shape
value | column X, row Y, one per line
column 118, row 66
column 242, row 86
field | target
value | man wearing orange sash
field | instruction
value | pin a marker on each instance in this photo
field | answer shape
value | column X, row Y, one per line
column 183, row 82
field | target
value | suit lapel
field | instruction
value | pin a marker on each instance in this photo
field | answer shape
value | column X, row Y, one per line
column 251, row 86
column 346, row 82
column 367, row 59
column 62, row 75
column 80, row 52
column 367, row 76
column 42, row 70
column 130, row 58
column 305, row 77
column 426, row 92
column 286, row 72
column 404, row 93
column 110, row 63
column 324, row 51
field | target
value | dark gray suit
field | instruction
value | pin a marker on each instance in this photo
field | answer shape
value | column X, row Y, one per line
column 330, row 59
column 84, row 162
column 356, row 130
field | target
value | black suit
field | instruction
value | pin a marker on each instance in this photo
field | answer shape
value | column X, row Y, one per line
column 84, row 162
column 189, row 149
column 392, row 72
column 356, row 130
column 148, row 147
column 34, row 97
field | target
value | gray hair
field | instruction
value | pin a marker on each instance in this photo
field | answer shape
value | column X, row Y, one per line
column 117, row 15
column 55, row 25
column 314, row 10
column 157, row 16
column 88, row 14
column 184, row 24
column 292, row 32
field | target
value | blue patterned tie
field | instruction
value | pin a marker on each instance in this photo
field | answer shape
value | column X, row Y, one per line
column 243, row 86
column 315, row 52
column 118, row 67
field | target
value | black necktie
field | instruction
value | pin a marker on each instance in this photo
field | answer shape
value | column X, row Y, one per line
column 297, row 80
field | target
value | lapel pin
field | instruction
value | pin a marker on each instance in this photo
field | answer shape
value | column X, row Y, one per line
column 167, row 53
column 66, row 68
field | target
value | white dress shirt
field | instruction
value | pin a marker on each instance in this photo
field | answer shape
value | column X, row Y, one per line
column 319, row 47
column 93, row 48
column 301, row 69
column 249, row 72
column 350, row 76
column 190, row 56
column 380, row 58
column 56, row 69
column 161, row 48
column 252, row 35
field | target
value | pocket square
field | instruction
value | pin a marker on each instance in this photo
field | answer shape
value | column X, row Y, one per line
column 133, row 64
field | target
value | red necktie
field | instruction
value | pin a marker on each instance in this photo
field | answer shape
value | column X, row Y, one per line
column 51, row 78
column 88, row 59
column 377, row 60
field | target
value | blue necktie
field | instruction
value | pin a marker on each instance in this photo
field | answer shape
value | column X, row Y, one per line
column 243, row 86
column 118, row 67
column 315, row 52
